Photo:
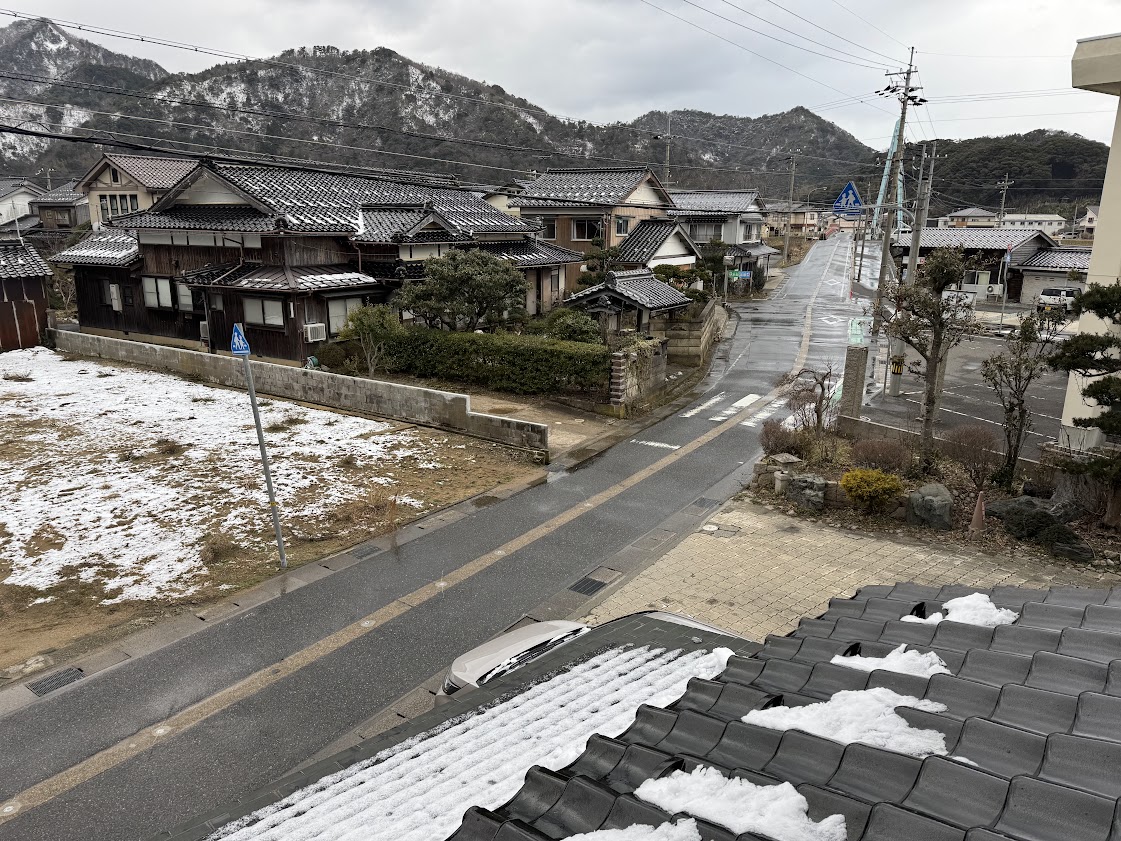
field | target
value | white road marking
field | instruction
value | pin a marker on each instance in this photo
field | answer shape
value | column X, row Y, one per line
column 658, row 444
column 742, row 403
column 708, row 404
column 764, row 413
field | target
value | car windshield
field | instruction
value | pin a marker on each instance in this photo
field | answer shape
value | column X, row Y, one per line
column 512, row 662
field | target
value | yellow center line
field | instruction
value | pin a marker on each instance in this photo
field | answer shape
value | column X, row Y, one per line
column 153, row 735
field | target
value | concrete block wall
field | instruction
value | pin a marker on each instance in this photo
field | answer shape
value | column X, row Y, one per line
column 424, row 406
column 689, row 341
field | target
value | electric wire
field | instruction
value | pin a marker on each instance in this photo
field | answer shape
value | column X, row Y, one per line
column 828, row 32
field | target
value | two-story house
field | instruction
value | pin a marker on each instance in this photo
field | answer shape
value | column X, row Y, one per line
column 804, row 219
column 120, row 184
column 578, row 207
column 58, row 214
column 288, row 252
column 968, row 217
column 16, row 194
column 1088, row 222
column 735, row 217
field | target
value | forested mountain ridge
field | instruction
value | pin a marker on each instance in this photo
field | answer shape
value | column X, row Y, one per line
column 378, row 108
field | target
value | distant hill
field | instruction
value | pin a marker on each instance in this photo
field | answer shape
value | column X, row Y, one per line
column 379, row 108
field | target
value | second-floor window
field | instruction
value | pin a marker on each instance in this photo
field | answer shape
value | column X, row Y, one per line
column 622, row 225
column 186, row 300
column 115, row 204
column 586, row 229
column 549, row 225
column 704, row 231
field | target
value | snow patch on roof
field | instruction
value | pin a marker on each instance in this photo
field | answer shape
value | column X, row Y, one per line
column 923, row 664
column 778, row 811
column 867, row 716
column 419, row 789
column 974, row 609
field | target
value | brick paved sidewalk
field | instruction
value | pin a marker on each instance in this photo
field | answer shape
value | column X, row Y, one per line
column 758, row 572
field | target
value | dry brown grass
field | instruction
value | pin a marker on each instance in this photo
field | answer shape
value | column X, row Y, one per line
column 368, row 511
column 167, row 447
column 216, row 548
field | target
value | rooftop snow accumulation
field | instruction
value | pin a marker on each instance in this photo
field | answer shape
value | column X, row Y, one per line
column 974, row 609
column 117, row 475
column 1017, row 739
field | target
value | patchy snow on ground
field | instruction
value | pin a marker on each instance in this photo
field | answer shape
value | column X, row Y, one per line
column 866, row 715
column 923, row 664
column 778, row 811
column 419, row 789
column 974, row 609
column 115, row 474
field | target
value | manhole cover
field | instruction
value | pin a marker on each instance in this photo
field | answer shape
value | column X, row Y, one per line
column 587, row 586
column 710, row 527
column 55, row 681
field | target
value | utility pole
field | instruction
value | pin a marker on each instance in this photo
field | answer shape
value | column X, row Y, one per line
column 905, row 96
column 789, row 213
column 897, row 350
column 1003, row 187
column 669, row 137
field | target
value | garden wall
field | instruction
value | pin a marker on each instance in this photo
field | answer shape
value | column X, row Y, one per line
column 690, row 339
column 637, row 375
column 424, row 406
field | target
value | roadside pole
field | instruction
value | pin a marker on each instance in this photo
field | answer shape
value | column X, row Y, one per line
column 239, row 346
column 789, row 214
column 897, row 350
column 1004, row 282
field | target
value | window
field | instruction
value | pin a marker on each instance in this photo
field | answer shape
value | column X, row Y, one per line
column 104, row 207
column 113, row 205
column 337, row 311
column 586, row 229
column 157, row 292
column 555, row 285
column 216, row 301
column 106, row 293
column 186, row 302
column 550, row 225
column 265, row 311
column 114, row 176
column 705, row 231
column 622, row 225
column 132, row 203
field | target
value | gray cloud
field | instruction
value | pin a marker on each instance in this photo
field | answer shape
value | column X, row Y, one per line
column 606, row 60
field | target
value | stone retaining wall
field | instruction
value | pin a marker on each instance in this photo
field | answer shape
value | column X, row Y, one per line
column 689, row 340
column 424, row 406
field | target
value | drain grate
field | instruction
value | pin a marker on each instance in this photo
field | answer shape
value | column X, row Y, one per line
column 705, row 502
column 587, row 586
column 56, row 681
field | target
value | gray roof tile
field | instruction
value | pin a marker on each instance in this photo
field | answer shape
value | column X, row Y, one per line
column 638, row 287
column 608, row 186
column 971, row 238
column 67, row 193
column 260, row 278
column 101, row 248
column 647, row 237
column 19, row 261
column 1059, row 259
column 153, row 172
column 199, row 217
column 526, row 253
column 722, row 201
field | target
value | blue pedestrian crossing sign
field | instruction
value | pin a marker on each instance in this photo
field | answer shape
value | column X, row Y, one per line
column 848, row 203
column 239, row 345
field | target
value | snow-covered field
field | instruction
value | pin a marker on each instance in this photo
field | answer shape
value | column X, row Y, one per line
column 116, row 475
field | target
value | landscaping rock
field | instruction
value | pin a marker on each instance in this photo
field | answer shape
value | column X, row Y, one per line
column 1043, row 522
column 808, row 491
column 1075, row 549
column 1062, row 512
column 931, row 505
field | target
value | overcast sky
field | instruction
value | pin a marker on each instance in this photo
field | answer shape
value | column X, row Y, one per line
column 607, row 60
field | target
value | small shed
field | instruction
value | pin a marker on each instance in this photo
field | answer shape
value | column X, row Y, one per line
column 23, row 296
column 622, row 293
column 1052, row 267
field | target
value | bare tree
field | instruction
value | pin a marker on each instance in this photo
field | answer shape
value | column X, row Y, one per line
column 1010, row 374
column 807, row 394
column 933, row 320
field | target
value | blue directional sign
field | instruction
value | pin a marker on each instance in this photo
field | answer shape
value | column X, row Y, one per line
column 848, row 203
column 239, row 345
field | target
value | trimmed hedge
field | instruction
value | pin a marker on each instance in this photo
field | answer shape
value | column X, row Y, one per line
column 501, row 361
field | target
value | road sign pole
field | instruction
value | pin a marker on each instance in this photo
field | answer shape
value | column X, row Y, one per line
column 240, row 347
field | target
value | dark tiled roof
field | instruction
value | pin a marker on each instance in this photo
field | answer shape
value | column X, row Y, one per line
column 11, row 185
column 638, row 287
column 724, row 201
column 971, row 238
column 199, row 217
column 23, row 224
column 972, row 211
column 1035, row 708
column 590, row 186
column 274, row 278
column 647, row 237
column 751, row 249
column 18, row 261
column 1059, row 259
column 526, row 253
column 67, row 193
column 154, row 173
column 101, row 248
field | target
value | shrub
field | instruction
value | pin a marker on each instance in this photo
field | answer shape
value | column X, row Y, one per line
column 217, row 547
column 776, row 438
column 566, row 325
column 882, row 454
column 1027, row 524
column 502, row 361
column 974, row 447
column 332, row 355
column 872, row 489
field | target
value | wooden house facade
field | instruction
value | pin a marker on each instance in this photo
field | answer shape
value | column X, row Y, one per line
column 23, row 296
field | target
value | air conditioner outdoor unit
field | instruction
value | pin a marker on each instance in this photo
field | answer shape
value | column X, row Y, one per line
column 204, row 331
column 315, row 332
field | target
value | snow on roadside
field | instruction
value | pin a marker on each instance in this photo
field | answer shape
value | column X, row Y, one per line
column 974, row 609
column 777, row 811
column 419, row 789
column 923, row 664
column 89, row 495
column 867, row 716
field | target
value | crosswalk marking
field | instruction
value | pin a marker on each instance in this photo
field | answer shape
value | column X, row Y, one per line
column 742, row 403
column 658, row 444
column 764, row 413
column 708, row 404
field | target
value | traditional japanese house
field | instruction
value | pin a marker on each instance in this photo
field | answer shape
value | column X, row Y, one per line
column 23, row 295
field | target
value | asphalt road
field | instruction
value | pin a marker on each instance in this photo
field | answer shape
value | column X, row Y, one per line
column 266, row 732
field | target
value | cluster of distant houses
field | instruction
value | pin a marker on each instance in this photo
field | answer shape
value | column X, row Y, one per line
column 181, row 249
column 178, row 250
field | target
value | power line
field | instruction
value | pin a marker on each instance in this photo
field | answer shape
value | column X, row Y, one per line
column 752, row 52
column 969, row 55
column 869, row 23
column 828, row 32
column 863, row 63
column 1018, row 116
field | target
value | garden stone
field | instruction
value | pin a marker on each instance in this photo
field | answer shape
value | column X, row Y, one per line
column 808, row 491
column 1076, row 549
column 931, row 505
